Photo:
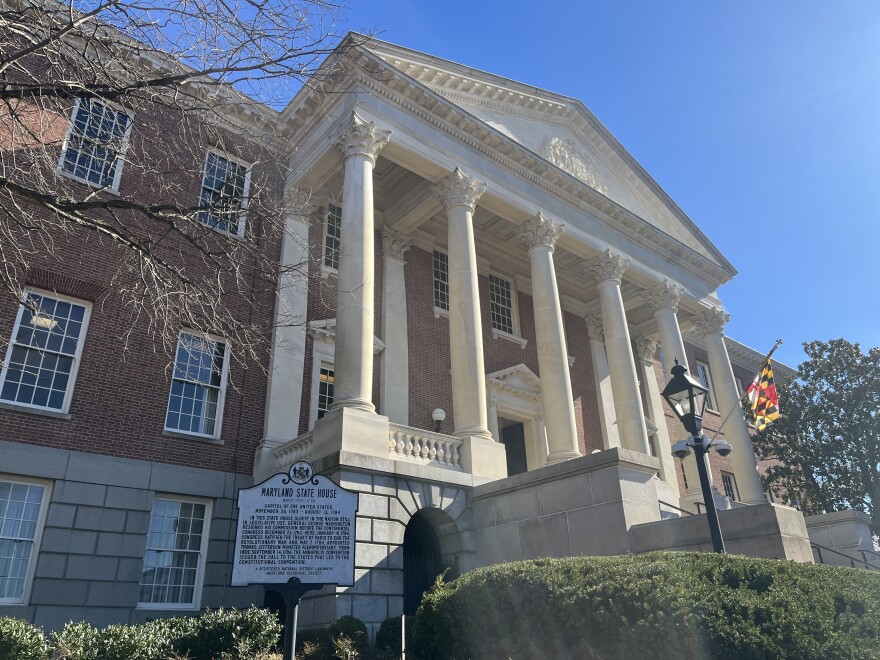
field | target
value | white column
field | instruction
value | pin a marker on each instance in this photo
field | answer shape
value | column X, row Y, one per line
column 395, row 357
column 647, row 349
column 607, row 270
column 663, row 300
column 607, row 415
column 360, row 143
column 540, row 235
column 287, row 359
column 459, row 194
column 710, row 326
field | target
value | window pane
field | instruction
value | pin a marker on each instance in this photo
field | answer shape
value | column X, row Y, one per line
column 193, row 403
column 223, row 193
column 441, row 280
column 95, row 142
column 332, row 236
column 20, row 506
column 501, row 304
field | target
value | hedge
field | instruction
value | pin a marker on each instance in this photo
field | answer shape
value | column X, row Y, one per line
column 659, row 605
column 232, row 634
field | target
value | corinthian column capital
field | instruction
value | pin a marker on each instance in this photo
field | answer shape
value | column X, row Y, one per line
column 608, row 266
column 459, row 189
column 595, row 328
column 540, row 231
column 394, row 243
column 646, row 348
column 298, row 203
column 665, row 295
column 710, row 322
column 358, row 137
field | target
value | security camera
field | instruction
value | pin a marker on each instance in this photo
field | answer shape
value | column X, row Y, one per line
column 723, row 448
column 681, row 449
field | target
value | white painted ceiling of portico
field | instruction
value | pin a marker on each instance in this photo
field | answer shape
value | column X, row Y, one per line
column 557, row 128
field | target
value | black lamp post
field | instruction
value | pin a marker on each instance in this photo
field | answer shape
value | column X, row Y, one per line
column 688, row 399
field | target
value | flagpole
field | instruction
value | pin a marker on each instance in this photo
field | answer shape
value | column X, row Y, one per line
column 758, row 375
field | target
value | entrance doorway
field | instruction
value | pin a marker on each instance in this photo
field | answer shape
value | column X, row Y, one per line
column 422, row 562
column 513, row 436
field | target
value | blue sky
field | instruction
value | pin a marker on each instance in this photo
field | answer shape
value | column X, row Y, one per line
column 760, row 119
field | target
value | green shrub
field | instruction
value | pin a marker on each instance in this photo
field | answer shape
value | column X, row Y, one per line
column 19, row 640
column 313, row 644
column 660, row 605
column 80, row 641
column 351, row 629
column 388, row 637
column 237, row 633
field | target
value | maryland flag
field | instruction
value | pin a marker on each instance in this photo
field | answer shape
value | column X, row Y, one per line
column 762, row 394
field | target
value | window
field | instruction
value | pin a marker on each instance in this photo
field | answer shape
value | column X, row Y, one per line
column 325, row 388
column 43, row 356
column 705, row 379
column 332, row 234
column 224, row 194
column 95, row 144
column 729, row 483
column 441, row 280
column 197, row 386
column 22, row 513
column 501, row 304
column 175, row 559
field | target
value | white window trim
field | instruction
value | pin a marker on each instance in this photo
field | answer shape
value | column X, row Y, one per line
column 725, row 473
column 221, row 403
column 515, row 336
column 323, row 355
column 38, row 535
column 203, row 555
column 120, row 157
column 710, row 385
column 245, row 197
column 71, row 382
column 326, row 270
column 439, row 311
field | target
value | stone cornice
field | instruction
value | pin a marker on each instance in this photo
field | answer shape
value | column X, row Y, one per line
column 540, row 231
column 459, row 189
column 377, row 77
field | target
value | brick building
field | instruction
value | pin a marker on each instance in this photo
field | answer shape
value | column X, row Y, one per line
column 494, row 292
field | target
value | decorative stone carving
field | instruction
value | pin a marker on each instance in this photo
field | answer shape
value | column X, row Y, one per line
column 565, row 155
column 298, row 203
column 358, row 137
column 540, row 231
column 595, row 328
column 665, row 295
column 608, row 266
column 394, row 243
column 647, row 348
column 459, row 189
column 710, row 322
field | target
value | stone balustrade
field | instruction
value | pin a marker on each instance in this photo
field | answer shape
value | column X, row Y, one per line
column 296, row 450
column 407, row 443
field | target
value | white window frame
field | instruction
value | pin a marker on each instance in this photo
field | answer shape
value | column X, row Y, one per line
column 245, row 193
column 325, row 269
column 733, row 485
column 120, row 156
column 707, row 384
column 203, row 554
column 38, row 535
column 323, row 355
column 515, row 336
column 77, row 356
column 221, row 397
column 439, row 311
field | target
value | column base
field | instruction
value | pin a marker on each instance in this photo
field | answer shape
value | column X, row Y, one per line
column 483, row 458
column 473, row 432
column 353, row 430
column 561, row 456
column 356, row 404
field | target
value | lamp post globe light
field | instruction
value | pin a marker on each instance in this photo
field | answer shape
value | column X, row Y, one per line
column 687, row 398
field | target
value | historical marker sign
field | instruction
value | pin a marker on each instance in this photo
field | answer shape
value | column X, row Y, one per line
column 295, row 525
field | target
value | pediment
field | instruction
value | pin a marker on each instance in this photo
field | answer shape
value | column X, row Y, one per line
column 558, row 129
column 518, row 377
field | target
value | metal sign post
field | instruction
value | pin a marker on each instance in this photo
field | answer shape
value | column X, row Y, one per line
column 296, row 533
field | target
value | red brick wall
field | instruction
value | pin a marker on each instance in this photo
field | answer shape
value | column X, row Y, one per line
column 120, row 397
